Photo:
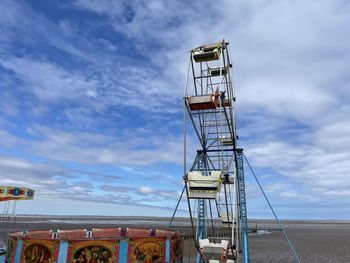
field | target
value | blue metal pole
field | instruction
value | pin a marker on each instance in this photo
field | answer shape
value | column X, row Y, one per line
column 167, row 251
column 123, row 251
column 18, row 251
column 63, row 252
column 201, row 223
column 242, row 206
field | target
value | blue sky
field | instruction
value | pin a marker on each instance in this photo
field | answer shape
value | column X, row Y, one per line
column 91, row 108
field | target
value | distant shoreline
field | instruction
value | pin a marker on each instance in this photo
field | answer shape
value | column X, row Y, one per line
column 155, row 218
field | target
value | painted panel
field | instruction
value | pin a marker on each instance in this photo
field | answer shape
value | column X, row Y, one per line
column 147, row 250
column 11, row 248
column 15, row 193
column 176, row 249
column 94, row 251
column 39, row 251
column 2, row 191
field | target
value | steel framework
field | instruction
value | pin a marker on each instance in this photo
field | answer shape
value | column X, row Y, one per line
column 209, row 102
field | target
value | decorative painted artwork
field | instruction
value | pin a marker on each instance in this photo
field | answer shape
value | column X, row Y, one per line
column 93, row 254
column 177, row 249
column 10, row 249
column 147, row 250
column 15, row 193
column 37, row 253
column 42, row 247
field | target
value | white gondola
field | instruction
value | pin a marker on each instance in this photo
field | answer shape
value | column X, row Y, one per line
column 214, row 252
column 226, row 141
column 226, row 221
column 204, row 102
column 226, row 103
column 207, row 53
column 203, row 186
column 215, row 72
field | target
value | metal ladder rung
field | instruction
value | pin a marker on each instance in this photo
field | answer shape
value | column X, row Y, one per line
column 217, row 111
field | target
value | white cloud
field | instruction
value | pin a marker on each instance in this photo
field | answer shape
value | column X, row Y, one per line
column 53, row 82
column 291, row 69
column 285, row 67
column 292, row 195
column 54, row 181
column 54, row 206
column 146, row 190
column 337, row 193
column 110, row 7
column 88, row 147
column 7, row 139
column 335, row 135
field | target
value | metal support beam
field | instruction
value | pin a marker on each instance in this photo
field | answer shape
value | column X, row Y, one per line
column 242, row 206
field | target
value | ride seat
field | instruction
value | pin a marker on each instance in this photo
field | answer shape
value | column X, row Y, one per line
column 202, row 186
column 207, row 53
column 205, row 102
column 226, row 220
column 214, row 252
column 215, row 72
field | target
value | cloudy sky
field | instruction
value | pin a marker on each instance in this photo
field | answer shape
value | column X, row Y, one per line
column 91, row 108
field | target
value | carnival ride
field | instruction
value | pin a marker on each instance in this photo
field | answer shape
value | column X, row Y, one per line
column 10, row 195
column 215, row 183
column 97, row 245
column 115, row 244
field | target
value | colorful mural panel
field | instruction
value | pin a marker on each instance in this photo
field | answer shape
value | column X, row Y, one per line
column 11, row 248
column 176, row 249
column 93, row 254
column 147, row 250
column 37, row 253
column 97, row 251
column 44, row 247
column 15, row 193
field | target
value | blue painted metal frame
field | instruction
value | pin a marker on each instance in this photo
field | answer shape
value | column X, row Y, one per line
column 123, row 251
column 18, row 251
column 63, row 252
column 242, row 206
column 167, row 251
column 201, row 223
column 201, row 164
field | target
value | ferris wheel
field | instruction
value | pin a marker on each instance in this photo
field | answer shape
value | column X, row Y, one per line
column 214, row 182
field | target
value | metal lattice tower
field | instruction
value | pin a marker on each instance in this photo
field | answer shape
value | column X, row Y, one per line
column 215, row 181
column 242, row 206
